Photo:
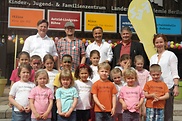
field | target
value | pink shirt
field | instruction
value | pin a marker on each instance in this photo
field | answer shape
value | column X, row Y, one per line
column 143, row 77
column 131, row 96
column 14, row 76
column 41, row 98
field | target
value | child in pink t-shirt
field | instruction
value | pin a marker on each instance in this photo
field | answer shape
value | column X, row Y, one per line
column 131, row 96
column 41, row 98
column 143, row 76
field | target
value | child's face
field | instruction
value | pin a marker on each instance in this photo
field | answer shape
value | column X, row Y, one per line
column 42, row 79
column 83, row 74
column 36, row 64
column 117, row 78
column 49, row 64
column 104, row 73
column 130, row 80
column 66, row 62
column 155, row 75
column 24, row 75
column 139, row 65
column 95, row 59
column 24, row 59
column 125, row 63
column 66, row 81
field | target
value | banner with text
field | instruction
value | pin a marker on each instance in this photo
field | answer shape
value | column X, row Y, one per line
column 24, row 17
column 58, row 18
column 107, row 21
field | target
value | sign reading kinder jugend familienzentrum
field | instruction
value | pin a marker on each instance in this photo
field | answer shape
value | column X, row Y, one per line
column 107, row 21
column 24, row 17
column 58, row 18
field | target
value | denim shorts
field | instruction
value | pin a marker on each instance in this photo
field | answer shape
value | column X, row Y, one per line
column 154, row 114
column 71, row 118
column 21, row 116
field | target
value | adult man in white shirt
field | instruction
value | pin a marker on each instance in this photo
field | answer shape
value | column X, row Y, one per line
column 40, row 44
column 104, row 48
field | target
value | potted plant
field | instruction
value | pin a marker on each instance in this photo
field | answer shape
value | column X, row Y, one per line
column 3, row 82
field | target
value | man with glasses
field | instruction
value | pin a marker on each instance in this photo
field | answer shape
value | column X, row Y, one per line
column 72, row 46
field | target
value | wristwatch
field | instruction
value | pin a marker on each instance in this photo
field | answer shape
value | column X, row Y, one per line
column 176, row 85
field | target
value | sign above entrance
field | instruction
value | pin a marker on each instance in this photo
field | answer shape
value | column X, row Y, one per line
column 58, row 18
column 24, row 17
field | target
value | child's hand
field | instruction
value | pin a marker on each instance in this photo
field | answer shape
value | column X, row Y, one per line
column 102, row 107
column 37, row 116
column 62, row 113
column 20, row 108
column 10, row 105
column 27, row 109
column 67, row 114
column 137, row 107
column 155, row 100
column 112, row 112
column 45, row 115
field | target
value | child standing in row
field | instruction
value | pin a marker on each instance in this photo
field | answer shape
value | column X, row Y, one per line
column 66, row 97
column 48, row 62
column 156, row 92
column 104, row 94
column 143, row 76
column 83, row 86
column 23, row 58
column 18, row 95
column 94, row 58
column 116, row 76
column 131, row 96
column 41, row 98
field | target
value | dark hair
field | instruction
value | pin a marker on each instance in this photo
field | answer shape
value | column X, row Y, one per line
column 97, row 27
column 37, row 57
column 124, row 57
column 26, row 66
column 81, row 66
column 67, row 55
column 48, row 56
column 162, row 36
column 66, row 73
column 23, row 53
column 42, row 21
column 94, row 52
column 126, row 28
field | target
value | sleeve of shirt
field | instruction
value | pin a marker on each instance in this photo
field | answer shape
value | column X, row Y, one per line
column 51, row 95
column 32, row 94
column 26, row 46
column 13, row 90
column 75, row 92
column 173, row 66
column 58, row 94
column 82, row 48
column 13, row 75
column 94, row 88
column 121, row 93
column 88, row 51
column 56, row 82
column 109, row 54
column 54, row 51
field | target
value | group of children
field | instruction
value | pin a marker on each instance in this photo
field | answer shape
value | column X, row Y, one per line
column 87, row 93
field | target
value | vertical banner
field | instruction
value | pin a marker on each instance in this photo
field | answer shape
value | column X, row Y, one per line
column 141, row 16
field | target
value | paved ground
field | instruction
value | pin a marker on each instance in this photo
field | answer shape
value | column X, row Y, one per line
column 5, row 111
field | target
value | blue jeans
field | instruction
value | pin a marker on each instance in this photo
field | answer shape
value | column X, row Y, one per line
column 154, row 114
column 103, row 116
column 21, row 116
column 71, row 118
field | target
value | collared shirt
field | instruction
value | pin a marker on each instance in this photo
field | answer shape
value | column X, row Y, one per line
column 75, row 48
column 125, row 49
column 104, row 49
column 168, row 63
column 35, row 45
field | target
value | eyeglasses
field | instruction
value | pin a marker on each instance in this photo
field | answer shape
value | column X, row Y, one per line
column 66, row 61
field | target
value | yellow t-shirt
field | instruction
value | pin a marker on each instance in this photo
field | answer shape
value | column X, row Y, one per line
column 56, row 82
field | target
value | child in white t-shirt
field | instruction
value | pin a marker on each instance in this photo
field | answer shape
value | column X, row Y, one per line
column 83, row 86
column 18, row 95
column 94, row 58
column 116, row 76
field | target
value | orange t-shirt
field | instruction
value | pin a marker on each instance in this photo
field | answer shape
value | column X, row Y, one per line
column 104, row 91
column 160, row 88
